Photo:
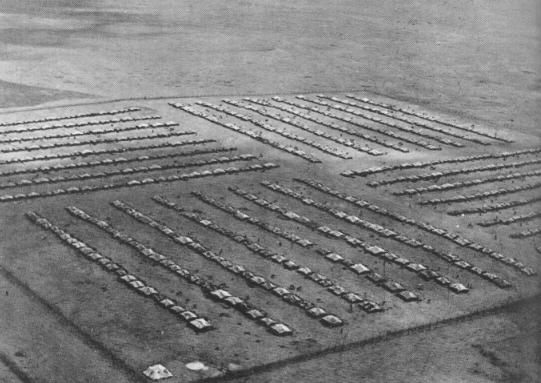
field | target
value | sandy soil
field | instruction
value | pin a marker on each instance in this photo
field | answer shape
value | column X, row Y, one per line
column 474, row 58
column 498, row 348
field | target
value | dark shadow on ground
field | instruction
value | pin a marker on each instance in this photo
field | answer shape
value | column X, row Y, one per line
column 13, row 95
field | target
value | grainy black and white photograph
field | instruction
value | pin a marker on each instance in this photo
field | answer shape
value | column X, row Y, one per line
column 270, row 191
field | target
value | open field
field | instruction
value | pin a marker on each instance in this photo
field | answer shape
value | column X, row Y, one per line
column 257, row 183
column 472, row 58
column 284, row 192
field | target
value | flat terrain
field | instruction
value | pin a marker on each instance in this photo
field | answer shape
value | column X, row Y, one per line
column 490, row 349
column 474, row 58
column 465, row 75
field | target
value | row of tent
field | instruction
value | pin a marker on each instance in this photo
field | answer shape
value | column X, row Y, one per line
column 139, row 169
column 119, row 160
column 252, row 134
column 358, row 268
column 296, row 124
column 283, row 293
column 324, row 281
column 425, row 164
column 71, row 116
column 71, row 125
column 331, row 125
column 94, row 141
column 97, row 152
column 138, row 182
column 193, row 320
column 210, row 288
column 283, row 132
column 443, row 233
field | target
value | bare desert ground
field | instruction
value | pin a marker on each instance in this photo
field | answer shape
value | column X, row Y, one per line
column 378, row 161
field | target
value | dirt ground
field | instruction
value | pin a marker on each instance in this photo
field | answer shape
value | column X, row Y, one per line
column 473, row 60
column 488, row 349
